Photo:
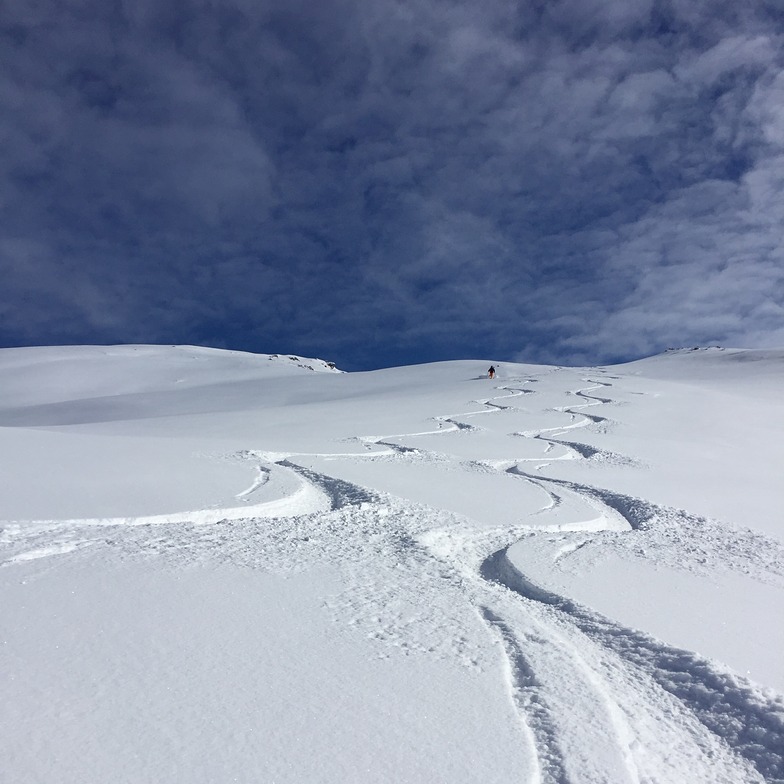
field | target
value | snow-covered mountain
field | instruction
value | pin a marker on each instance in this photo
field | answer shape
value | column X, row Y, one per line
column 219, row 566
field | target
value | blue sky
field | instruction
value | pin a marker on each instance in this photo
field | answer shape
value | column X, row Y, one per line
column 382, row 183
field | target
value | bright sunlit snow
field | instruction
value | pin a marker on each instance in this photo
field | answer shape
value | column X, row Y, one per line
column 226, row 567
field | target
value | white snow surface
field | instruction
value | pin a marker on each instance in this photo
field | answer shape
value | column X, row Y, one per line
column 225, row 567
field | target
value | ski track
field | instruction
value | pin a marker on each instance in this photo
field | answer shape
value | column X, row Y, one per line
column 735, row 730
column 576, row 681
column 262, row 477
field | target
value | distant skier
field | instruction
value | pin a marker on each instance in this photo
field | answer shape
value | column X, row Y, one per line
column 491, row 372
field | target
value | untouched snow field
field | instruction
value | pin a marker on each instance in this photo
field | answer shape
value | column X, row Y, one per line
column 224, row 567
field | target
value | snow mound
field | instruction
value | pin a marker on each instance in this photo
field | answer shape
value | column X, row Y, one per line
column 54, row 374
column 712, row 362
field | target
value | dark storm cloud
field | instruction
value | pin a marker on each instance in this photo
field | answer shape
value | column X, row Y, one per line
column 383, row 182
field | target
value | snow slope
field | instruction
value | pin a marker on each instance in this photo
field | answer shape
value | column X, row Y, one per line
column 217, row 566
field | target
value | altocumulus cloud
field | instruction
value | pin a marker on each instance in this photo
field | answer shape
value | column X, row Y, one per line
column 383, row 182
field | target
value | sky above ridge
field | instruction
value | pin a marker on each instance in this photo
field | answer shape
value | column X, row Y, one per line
column 381, row 183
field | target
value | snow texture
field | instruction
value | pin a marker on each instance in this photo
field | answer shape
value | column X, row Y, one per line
column 218, row 566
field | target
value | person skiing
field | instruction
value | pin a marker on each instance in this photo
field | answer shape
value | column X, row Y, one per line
column 491, row 372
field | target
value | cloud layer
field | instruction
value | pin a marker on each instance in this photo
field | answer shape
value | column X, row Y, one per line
column 384, row 182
